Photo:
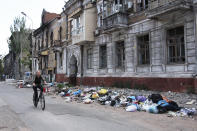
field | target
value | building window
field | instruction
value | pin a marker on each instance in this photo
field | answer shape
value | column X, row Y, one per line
column 78, row 22
column 89, row 58
column 60, row 33
column 35, row 47
column 103, row 56
column 143, row 50
column 47, row 38
column 39, row 46
column 42, row 41
column 175, row 45
column 142, row 5
column 100, row 21
column 60, row 60
column 55, row 70
column 51, row 38
column 46, row 61
column 71, row 28
column 120, row 54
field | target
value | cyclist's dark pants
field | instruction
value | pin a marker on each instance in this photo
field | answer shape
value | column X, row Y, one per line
column 36, row 91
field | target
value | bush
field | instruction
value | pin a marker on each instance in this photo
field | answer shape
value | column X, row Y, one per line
column 140, row 87
column 191, row 90
column 60, row 86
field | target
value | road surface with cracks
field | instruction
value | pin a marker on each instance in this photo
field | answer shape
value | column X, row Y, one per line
column 17, row 113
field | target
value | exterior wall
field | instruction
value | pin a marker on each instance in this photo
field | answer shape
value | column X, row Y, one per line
column 159, row 75
column 89, row 22
column 158, row 66
column 161, row 84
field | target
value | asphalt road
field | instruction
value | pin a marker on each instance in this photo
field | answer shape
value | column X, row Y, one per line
column 18, row 114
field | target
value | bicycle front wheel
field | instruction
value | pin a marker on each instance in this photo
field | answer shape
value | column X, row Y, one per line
column 42, row 102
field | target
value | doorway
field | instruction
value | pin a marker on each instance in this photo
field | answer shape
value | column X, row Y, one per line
column 73, row 71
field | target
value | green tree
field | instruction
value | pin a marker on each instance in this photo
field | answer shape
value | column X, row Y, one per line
column 19, row 42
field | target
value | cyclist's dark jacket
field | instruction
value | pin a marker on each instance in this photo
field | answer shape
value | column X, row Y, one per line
column 38, row 80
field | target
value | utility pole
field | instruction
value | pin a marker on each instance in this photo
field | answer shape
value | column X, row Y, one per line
column 32, row 50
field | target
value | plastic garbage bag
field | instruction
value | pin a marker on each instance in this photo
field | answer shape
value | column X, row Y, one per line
column 141, row 98
column 102, row 91
column 95, row 95
column 131, row 99
column 153, row 109
column 132, row 108
column 155, row 98
column 187, row 111
column 77, row 92
column 62, row 94
column 163, row 103
column 87, row 101
column 107, row 102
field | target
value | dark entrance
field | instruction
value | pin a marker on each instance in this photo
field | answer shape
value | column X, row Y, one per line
column 73, row 71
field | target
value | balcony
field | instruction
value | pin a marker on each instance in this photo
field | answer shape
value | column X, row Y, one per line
column 115, row 21
column 159, row 8
column 78, row 35
column 57, row 45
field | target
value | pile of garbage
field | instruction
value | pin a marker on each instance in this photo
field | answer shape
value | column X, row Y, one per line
column 152, row 103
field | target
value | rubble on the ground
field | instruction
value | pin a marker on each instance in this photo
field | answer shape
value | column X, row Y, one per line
column 171, row 103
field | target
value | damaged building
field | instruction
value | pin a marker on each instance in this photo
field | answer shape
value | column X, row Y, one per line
column 105, row 42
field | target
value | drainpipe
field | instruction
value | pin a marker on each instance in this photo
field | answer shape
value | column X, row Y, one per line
column 195, row 32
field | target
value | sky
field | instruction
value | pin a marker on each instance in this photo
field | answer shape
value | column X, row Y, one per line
column 9, row 9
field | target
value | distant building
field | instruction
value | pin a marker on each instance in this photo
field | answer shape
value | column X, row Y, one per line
column 10, row 65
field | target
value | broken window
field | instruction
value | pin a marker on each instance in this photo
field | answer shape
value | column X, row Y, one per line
column 89, row 58
column 143, row 50
column 175, row 45
column 120, row 54
column 103, row 56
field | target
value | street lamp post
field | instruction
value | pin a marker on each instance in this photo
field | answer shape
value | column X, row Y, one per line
column 23, row 13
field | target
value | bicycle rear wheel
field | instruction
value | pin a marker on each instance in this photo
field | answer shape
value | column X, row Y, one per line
column 34, row 100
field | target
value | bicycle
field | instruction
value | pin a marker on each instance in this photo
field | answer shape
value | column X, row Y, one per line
column 40, row 99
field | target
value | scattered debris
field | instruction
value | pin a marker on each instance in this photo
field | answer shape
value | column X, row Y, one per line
column 171, row 103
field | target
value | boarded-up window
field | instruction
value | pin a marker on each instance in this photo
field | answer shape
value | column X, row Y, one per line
column 89, row 58
column 120, row 54
column 103, row 56
column 175, row 45
column 143, row 50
